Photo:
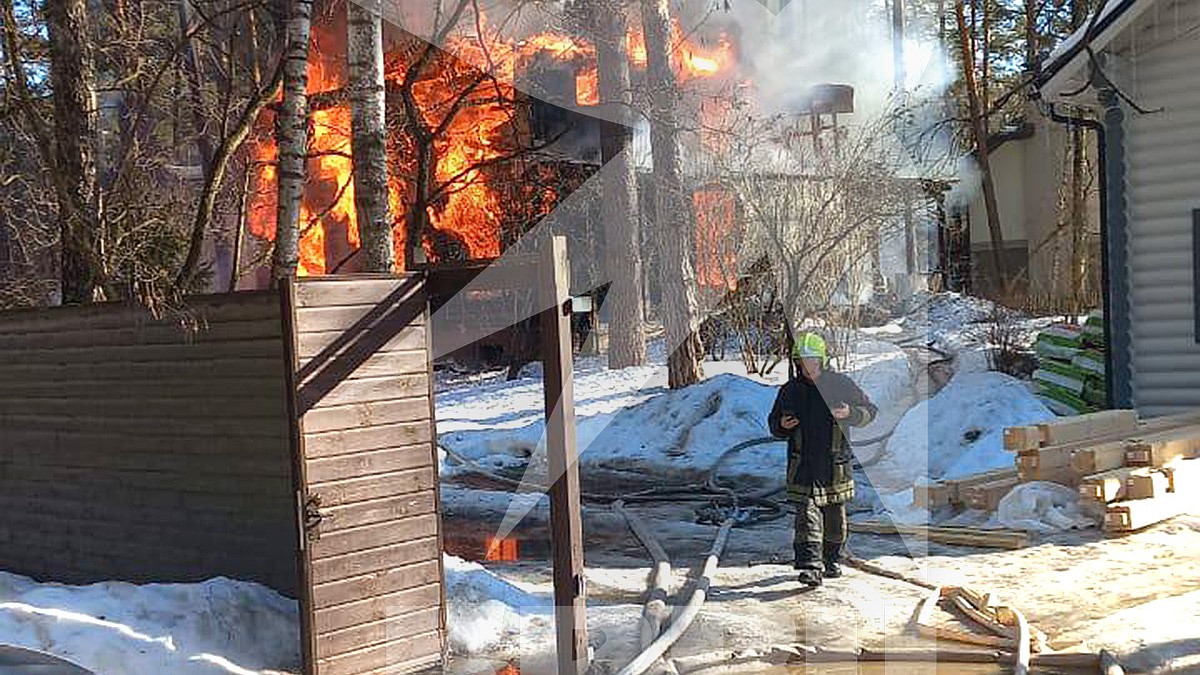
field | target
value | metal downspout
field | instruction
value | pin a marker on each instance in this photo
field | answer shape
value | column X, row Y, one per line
column 1106, row 294
column 1120, row 351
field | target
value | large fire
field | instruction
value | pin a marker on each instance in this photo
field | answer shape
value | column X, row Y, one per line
column 484, row 128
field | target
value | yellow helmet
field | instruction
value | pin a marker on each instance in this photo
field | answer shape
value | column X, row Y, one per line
column 810, row 346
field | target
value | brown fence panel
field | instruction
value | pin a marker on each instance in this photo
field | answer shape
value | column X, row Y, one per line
column 147, row 449
column 367, row 467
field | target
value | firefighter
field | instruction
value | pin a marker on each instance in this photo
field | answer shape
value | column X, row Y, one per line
column 812, row 412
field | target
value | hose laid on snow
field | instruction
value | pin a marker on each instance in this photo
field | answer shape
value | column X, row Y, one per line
column 683, row 620
column 655, row 613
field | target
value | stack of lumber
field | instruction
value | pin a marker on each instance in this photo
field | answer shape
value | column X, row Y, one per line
column 1136, row 472
column 1071, row 377
column 958, row 492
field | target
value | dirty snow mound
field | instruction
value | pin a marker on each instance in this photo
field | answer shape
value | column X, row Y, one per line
column 1039, row 506
column 958, row 432
column 116, row 628
column 486, row 612
column 680, row 433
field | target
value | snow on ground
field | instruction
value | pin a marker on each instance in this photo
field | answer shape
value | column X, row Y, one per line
column 114, row 628
column 225, row 626
column 955, row 433
column 629, row 424
column 488, row 614
column 1160, row 636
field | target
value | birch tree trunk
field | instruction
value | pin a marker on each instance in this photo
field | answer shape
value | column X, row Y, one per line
column 979, row 129
column 292, row 139
column 619, row 210
column 674, row 210
column 73, row 77
column 369, row 133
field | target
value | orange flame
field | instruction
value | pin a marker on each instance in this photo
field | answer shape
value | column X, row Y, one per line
column 501, row 550
column 482, row 129
column 716, row 239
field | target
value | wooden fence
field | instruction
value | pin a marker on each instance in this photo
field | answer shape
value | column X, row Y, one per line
column 278, row 437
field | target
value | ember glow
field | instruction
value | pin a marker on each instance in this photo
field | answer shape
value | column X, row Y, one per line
column 484, row 129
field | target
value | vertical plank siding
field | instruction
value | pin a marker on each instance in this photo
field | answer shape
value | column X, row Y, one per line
column 363, row 397
column 146, row 449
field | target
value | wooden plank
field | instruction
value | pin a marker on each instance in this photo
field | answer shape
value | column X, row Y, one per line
column 1132, row 515
column 1091, row 425
column 987, row 496
column 337, row 493
column 194, row 410
column 1022, row 438
column 1184, row 476
column 373, row 659
column 947, row 492
column 266, row 348
column 394, row 627
column 1103, row 457
column 566, row 526
column 330, row 443
column 216, row 384
column 320, row 318
column 1147, row 483
column 376, row 560
column 384, row 363
column 367, row 414
column 266, row 428
column 1055, row 457
column 356, row 391
column 217, row 308
column 244, row 368
column 934, row 495
column 398, row 577
column 370, row 537
column 246, row 464
column 358, row 290
column 1107, row 486
column 149, row 334
column 1164, row 447
column 254, row 443
column 334, row 344
column 956, row 536
column 358, row 465
column 200, row 478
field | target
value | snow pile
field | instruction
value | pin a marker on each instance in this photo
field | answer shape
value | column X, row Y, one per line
column 625, row 428
column 958, row 432
column 116, row 628
column 487, row 613
column 1042, row 507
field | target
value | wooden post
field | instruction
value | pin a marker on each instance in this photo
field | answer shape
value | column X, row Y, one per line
column 566, row 523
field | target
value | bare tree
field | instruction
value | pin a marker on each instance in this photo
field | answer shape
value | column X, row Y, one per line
column 73, row 77
column 369, row 134
column 979, row 129
column 292, row 138
column 816, row 213
column 673, row 204
column 619, row 210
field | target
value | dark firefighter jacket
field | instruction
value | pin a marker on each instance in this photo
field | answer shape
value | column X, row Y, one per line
column 819, row 457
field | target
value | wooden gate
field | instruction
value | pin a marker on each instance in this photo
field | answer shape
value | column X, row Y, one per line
column 372, row 598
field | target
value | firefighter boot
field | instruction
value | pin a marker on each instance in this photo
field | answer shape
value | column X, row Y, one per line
column 833, row 557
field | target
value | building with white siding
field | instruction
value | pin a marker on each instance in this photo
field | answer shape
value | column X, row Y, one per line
column 1136, row 71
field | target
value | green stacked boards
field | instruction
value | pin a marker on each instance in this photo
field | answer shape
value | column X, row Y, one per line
column 1071, row 377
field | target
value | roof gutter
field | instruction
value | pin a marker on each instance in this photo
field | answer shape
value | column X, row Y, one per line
column 1094, row 29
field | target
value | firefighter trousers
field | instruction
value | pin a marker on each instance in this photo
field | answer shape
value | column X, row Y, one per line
column 820, row 534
